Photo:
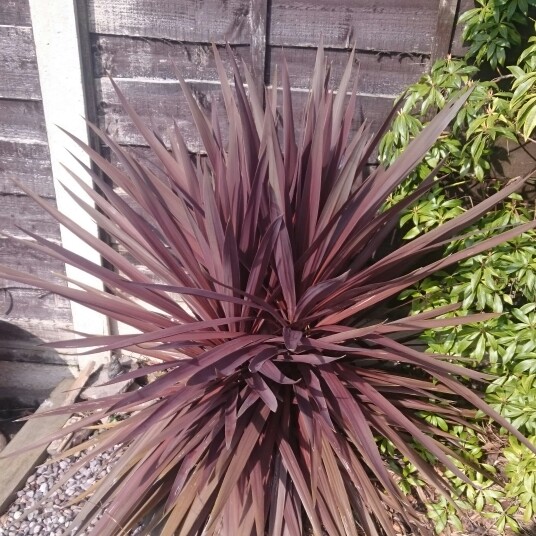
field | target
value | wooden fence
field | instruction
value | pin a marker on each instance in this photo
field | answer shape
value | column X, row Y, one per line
column 62, row 74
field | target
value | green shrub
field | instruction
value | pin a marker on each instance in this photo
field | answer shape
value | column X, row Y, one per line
column 502, row 106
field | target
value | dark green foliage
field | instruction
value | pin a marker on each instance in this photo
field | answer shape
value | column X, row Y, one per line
column 500, row 112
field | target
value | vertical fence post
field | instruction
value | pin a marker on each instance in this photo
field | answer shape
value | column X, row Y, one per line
column 61, row 76
column 446, row 24
column 258, row 25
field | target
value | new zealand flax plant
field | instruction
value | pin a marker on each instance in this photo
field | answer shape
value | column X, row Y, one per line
column 259, row 286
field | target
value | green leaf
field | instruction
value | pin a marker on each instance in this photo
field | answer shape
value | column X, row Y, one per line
column 529, row 124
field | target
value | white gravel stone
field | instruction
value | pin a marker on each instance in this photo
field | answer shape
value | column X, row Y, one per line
column 51, row 517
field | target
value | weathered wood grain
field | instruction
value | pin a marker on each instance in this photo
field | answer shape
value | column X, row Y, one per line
column 20, row 210
column 20, row 257
column 19, row 78
column 22, row 121
column 380, row 25
column 46, row 316
column 127, row 57
column 15, row 12
column 372, row 109
column 86, row 65
column 188, row 20
column 446, row 24
column 132, row 57
column 158, row 103
column 377, row 74
column 258, row 26
column 28, row 163
column 458, row 48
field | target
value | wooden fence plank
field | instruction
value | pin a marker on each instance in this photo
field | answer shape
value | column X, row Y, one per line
column 30, row 309
column 19, row 78
column 20, row 257
column 158, row 103
column 372, row 109
column 134, row 57
column 161, row 102
column 85, row 66
column 458, row 48
column 378, row 74
column 446, row 25
column 258, row 20
column 15, row 12
column 22, row 121
column 28, row 163
column 20, row 210
column 380, row 25
column 187, row 20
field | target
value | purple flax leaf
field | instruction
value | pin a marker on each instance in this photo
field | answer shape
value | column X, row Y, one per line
column 99, row 301
column 292, row 338
column 358, row 428
column 192, row 330
column 338, row 103
column 231, row 263
column 336, row 483
column 318, row 293
column 254, row 303
column 477, row 402
column 290, row 151
column 296, row 474
column 249, row 400
column 229, row 364
column 263, row 257
column 276, row 178
column 409, row 324
column 448, row 229
column 266, row 394
column 272, row 372
column 384, row 405
column 255, row 100
column 201, row 122
column 316, row 395
column 403, row 282
column 285, row 270
column 388, row 180
column 149, row 136
column 262, row 356
column 278, row 494
column 240, row 457
column 229, row 354
column 231, row 417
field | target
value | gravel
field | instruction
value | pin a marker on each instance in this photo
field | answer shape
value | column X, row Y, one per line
column 52, row 517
